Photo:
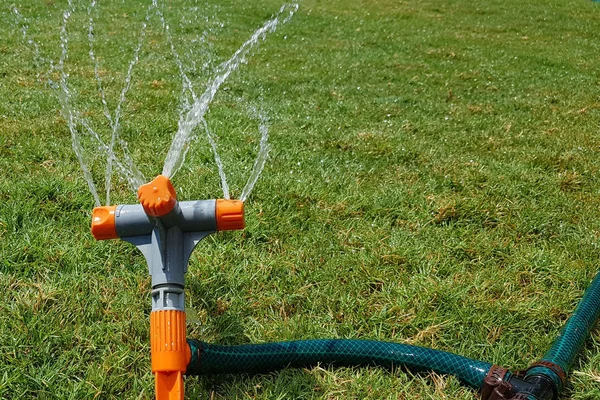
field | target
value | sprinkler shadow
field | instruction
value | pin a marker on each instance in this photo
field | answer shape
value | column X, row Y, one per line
column 227, row 328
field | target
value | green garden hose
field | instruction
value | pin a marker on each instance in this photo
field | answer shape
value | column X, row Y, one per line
column 572, row 336
column 543, row 381
column 256, row 358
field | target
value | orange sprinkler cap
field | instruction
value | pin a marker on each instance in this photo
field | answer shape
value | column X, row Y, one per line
column 158, row 197
column 103, row 223
column 230, row 215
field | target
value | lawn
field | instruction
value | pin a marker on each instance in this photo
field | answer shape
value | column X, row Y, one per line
column 434, row 179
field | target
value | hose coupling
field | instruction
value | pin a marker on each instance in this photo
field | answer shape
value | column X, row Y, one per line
column 551, row 366
column 501, row 384
column 495, row 384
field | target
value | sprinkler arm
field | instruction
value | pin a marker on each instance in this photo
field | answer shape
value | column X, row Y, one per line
column 166, row 232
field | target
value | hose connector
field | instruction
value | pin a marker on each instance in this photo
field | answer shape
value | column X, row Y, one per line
column 496, row 385
column 501, row 384
column 170, row 353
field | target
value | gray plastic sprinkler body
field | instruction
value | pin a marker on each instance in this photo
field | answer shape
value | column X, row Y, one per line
column 166, row 232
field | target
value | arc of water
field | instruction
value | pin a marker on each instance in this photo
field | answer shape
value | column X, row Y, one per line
column 261, row 158
column 24, row 23
column 188, row 86
column 187, row 123
column 68, row 111
column 183, row 136
column 115, row 122
column 187, row 83
column 220, row 168
column 126, row 168
column 105, row 109
column 61, row 88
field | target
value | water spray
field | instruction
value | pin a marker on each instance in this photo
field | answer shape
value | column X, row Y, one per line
column 166, row 231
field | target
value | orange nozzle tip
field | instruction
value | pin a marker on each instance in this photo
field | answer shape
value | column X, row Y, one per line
column 103, row 223
column 158, row 197
column 230, row 215
column 169, row 385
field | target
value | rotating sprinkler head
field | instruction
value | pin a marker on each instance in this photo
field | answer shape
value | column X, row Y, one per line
column 166, row 231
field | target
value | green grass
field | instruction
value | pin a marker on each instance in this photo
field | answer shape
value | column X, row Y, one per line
column 434, row 180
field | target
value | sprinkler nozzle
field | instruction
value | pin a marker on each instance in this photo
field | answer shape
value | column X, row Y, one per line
column 230, row 215
column 103, row 223
column 158, row 197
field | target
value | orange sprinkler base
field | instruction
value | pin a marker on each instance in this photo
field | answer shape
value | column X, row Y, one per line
column 170, row 353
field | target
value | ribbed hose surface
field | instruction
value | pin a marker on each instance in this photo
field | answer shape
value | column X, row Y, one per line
column 255, row 358
column 574, row 333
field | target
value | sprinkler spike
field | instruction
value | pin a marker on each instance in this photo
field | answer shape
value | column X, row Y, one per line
column 169, row 385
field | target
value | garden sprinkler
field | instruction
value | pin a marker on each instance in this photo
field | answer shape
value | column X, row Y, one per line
column 166, row 231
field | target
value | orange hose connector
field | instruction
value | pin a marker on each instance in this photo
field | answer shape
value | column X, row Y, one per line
column 170, row 353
